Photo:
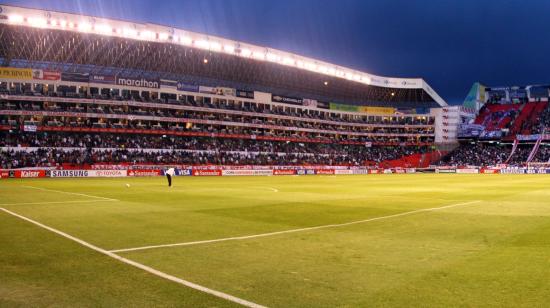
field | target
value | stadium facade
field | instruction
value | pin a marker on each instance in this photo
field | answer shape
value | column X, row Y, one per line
column 74, row 77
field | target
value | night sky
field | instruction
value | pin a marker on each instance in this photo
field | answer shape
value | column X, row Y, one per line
column 449, row 43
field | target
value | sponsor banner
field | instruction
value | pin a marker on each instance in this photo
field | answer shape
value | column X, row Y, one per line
column 226, row 91
column 207, row 90
column 187, row 87
column 138, row 82
column 29, row 128
column 150, row 172
column 184, row 172
column 528, row 137
column 377, row 110
column 399, row 171
column 46, row 75
column 342, row 107
column 51, row 75
column 284, row 172
column 324, row 171
column 305, row 172
column 445, row 170
column 168, row 84
column 490, row 171
column 344, row 171
column 538, row 171
column 68, row 173
column 286, row 99
column 513, row 171
column 247, row 172
column 16, row 73
column 323, row 105
column 105, row 79
column 371, row 171
column 363, row 109
column 410, row 170
column 107, row 173
column 4, row 174
column 75, row 77
column 388, row 171
column 86, row 173
column 310, row 102
column 215, row 172
column 245, row 94
column 30, row 173
column 467, row 171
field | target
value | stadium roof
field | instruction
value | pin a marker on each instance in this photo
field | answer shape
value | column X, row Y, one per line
column 111, row 43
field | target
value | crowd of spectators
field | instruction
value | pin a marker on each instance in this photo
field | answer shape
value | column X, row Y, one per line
column 206, row 102
column 303, row 121
column 487, row 154
column 58, row 148
column 543, row 123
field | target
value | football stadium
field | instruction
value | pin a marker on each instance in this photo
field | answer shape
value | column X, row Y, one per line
column 143, row 165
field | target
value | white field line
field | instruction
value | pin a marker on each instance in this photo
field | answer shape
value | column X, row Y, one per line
column 70, row 193
column 139, row 265
column 246, row 237
column 57, row 202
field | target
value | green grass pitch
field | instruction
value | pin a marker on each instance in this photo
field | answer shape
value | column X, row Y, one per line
column 483, row 240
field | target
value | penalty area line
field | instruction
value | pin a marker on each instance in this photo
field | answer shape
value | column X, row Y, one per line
column 70, row 193
column 139, row 265
column 246, row 237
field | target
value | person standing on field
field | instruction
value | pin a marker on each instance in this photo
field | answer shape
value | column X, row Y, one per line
column 169, row 174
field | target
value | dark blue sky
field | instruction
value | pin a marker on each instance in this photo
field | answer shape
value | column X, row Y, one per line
column 450, row 43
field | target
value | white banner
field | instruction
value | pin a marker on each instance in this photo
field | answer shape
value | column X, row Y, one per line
column 247, row 172
column 343, row 171
column 87, row 173
column 467, row 170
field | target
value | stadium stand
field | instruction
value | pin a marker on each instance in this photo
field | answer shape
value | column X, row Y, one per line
column 160, row 95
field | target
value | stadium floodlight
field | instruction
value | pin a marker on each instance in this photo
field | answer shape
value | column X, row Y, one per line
column 62, row 23
column 215, row 46
column 84, row 26
column 272, row 57
column 129, row 32
column 106, row 29
column 331, row 71
column 311, row 66
column 16, row 18
column 258, row 55
column 357, row 77
column 288, row 61
column 300, row 64
column 163, row 36
column 202, row 44
column 37, row 22
column 186, row 40
column 148, row 35
column 246, row 52
column 229, row 48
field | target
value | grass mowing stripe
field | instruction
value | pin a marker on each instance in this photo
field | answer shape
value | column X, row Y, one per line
column 238, row 238
column 139, row 265
column 70, row 193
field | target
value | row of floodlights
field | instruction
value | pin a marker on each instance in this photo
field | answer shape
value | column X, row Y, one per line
column 210, row 45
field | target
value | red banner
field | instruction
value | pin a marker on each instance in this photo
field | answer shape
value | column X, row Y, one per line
column 284, row 172
column 144, row 172
column 324, row 171
column 216, row 172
